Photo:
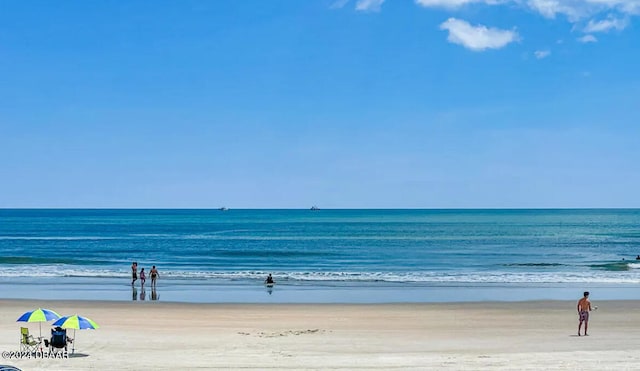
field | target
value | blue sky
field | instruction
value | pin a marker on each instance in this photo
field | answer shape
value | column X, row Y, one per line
column 340, row 104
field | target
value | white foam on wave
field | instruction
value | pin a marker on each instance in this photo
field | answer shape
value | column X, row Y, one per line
column 484, row 277
column 328, row 277
column 56, row 271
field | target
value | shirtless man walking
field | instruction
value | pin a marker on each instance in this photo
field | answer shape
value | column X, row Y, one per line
column 584, row 307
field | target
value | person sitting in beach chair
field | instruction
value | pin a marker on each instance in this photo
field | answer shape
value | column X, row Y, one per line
column 59, row 339
column 27, row 342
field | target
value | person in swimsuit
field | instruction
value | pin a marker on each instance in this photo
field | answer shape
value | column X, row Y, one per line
column 143, row 277
column 134, row 272
column 154, row 275
column 584, row 307
column 269, row 280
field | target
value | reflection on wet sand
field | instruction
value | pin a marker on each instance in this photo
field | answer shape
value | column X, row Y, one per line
column 143, row 294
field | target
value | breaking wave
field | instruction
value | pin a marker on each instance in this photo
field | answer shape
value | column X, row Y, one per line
column 363, row 278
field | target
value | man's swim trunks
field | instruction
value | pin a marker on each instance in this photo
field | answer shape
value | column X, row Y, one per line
column 584, row 315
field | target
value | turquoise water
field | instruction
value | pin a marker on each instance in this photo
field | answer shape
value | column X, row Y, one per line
column 401, row 251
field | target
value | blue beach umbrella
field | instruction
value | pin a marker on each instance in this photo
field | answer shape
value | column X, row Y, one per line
column 38, row 315
column 76, row 322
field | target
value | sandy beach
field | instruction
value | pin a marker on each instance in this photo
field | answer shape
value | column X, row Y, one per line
column 468, row 336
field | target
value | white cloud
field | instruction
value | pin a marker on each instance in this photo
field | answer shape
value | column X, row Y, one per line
column 369, row 5
column 612, row 15
column 338, row 4
column 540, row 54
column 452, row 4
column 606, row 24
column 587, row 39
column 574, row 10
column 624, row 6
column 477, row 38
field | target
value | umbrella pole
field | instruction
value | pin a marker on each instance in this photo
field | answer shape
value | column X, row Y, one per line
column 73, row 346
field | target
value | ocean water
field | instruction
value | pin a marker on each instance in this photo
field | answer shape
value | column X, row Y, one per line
column 326, row 255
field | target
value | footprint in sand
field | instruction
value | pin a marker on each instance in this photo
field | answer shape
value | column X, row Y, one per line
column 287, row 333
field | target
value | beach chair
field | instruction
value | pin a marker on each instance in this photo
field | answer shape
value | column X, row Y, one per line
column 27, row 342
column 58, row 341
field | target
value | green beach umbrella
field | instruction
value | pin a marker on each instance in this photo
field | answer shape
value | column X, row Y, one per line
column 39, row 315
column 76, row 322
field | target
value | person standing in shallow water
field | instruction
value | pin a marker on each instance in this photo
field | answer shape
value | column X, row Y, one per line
column 584, row 307
column 143, row 278
column 134, row 272
column 269, row 280
column 154, row 275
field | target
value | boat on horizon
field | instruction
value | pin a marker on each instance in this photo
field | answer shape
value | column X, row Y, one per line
column 315, row 208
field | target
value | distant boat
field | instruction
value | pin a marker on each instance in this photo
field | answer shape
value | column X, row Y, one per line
column 223, row 208
column 315, row 208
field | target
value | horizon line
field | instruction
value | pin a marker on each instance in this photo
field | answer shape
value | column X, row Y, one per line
column 319, row 209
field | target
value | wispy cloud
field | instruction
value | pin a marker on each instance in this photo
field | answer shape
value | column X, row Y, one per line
column 606, row 25
column 574, row 10
column 587, row 39
column 477, row 38
column 454, row 4
column 338, row 4
column 603, row 16
column 369, row 5
column 551, row 8
column 540, row 54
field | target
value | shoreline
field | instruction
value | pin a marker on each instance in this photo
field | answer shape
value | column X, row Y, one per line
column 117, row 290
column 456, row 336
column 526, row 304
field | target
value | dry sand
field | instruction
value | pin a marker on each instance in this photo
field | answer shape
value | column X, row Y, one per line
column 469, row 336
